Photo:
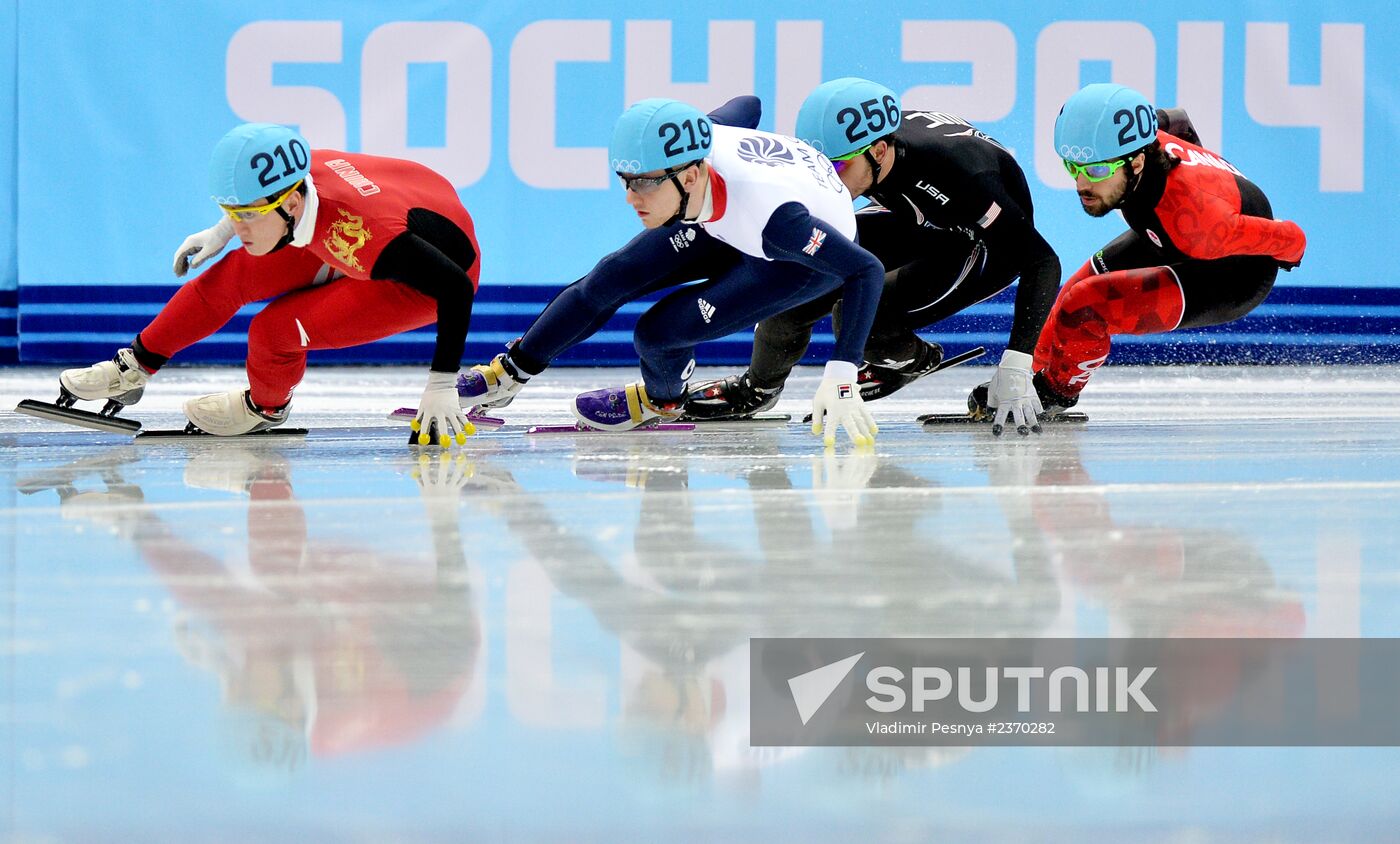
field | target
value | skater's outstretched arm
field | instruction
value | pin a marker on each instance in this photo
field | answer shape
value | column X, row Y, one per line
column 794, row 234
column 425, row 266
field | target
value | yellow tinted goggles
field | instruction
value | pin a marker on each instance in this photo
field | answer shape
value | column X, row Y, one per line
column 248, row 213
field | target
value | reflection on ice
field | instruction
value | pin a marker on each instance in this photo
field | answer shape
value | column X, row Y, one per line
column 378, row 639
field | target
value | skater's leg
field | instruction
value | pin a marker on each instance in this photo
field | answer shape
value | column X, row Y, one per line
column 1087, row 314
column 1148, row 300
column 651, row 261
column 347, row 312
column 780, row 341
column 203, row 305
column 751, row 290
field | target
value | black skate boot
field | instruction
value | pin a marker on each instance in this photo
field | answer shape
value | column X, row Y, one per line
column 735, row 397
column 880, row 379
column 1052, row 403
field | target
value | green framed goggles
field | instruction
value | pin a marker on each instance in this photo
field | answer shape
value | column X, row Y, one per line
column 1096, row 172
column 844, row 161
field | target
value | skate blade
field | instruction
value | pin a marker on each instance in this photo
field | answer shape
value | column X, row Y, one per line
column 488, row 423
column 177, row 433
column 969, row 355
column 757, row 420
column 930, row 420
column 81, row 418
column 580, row 428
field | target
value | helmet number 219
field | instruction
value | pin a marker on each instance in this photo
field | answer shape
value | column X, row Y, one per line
column 671, row 132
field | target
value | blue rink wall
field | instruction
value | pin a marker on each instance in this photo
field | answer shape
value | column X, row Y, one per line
column 108, row 111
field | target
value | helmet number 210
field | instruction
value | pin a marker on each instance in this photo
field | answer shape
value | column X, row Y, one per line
column 267, row 175
column 874, row 116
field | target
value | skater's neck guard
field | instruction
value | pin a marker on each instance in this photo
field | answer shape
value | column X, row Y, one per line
column 299, row 232
column 306, row 227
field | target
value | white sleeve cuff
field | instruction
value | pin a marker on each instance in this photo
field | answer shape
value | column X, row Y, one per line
column 441, row 380
column 840, row 370
column 1016, row 360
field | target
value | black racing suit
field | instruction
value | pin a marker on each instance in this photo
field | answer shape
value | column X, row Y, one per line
column 952, row 223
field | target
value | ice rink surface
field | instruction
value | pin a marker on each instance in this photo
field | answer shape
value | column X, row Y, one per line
column 546, row 638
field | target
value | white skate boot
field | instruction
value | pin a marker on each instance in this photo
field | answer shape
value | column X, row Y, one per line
column 120, row 379
column 231, row 414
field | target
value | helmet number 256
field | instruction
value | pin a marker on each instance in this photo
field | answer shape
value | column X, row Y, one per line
column 873, row 117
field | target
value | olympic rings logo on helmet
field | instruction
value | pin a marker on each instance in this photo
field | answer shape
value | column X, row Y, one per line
column 620, row 165
column 1077, row 154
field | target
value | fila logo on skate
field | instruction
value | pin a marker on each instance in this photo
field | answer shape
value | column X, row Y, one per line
column 1086, row 369
column 1152, row 236
column 681, row 240
column 706, row 310
column 813, row 243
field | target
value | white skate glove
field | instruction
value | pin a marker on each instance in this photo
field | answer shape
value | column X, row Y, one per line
column 1013, row 395
column 838, row 403
column 440, row 410
column 201, row 246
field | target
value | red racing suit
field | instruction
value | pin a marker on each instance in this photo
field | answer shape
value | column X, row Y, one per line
column 1202, row 249
column 384, row 246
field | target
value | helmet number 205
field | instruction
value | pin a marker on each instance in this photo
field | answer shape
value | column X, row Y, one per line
column 874, row 117
column 267, row 175
column 697, row 138
column 1139, row 124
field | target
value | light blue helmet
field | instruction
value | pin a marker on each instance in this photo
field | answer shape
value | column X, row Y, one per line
column 659, row 134
column 1102, row 122
column 256, row 160
column 844, row 115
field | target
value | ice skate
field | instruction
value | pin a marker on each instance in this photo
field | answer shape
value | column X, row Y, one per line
column 231, row 414
column 735, row 397
column 623, row 408
column 120, row 381
column 878, row 379
column 490, row 385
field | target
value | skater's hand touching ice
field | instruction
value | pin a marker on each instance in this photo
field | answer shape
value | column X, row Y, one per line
column 201, row 246
column 440, row 411
column 1013, row 395
column 838, row 404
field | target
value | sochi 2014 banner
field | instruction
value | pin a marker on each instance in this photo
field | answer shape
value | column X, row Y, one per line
column 116, row 107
